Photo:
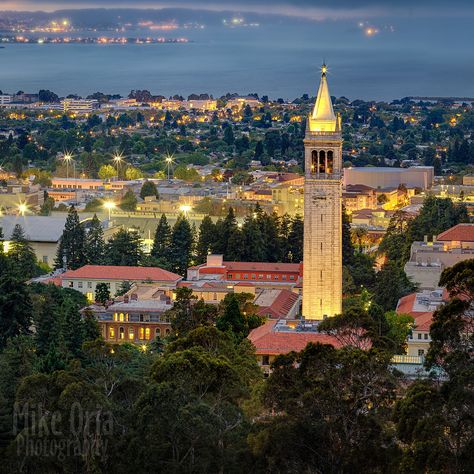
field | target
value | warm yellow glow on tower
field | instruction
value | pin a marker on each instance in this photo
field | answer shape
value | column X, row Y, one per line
column 322, row 260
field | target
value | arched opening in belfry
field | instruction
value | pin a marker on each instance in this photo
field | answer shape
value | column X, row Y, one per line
column 322, row 162
column 314, row 161
column 330, row 162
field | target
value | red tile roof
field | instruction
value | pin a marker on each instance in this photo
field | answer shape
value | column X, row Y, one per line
column 458, row 233
column 423, row 321
column 269, row 342
column 281, row 305
column 106, row 272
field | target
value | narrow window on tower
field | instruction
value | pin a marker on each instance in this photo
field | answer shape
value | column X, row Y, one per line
column 321, row 247
column 321, row 275
column 314, row 161
column 330, row 162
column 322, row 162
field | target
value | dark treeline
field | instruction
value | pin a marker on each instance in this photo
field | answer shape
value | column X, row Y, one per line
column 198, row 402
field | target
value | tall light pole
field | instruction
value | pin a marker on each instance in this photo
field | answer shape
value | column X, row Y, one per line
column 169, row 161
column 118, row 158
column 67, row 159
column 109, row 205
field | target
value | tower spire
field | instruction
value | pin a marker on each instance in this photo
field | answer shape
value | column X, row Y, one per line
column 323, row 118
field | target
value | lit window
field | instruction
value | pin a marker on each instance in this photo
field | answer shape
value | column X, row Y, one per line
column 269, row 277
column 121, row 333
column 147, row 333
column 111, row 333
column 260, row 277
column 115, row 316
column 122, row 318
column 142, row 333
column 131, row 333
column 90, row 297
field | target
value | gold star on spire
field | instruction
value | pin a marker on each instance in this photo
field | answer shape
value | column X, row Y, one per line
column 324, row 69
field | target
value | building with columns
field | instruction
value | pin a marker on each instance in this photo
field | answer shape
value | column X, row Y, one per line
column 322, row 260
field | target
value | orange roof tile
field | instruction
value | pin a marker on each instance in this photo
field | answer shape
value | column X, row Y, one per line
column 107, row 272
column 459, row 233
column 269, row 342
column 262, row 267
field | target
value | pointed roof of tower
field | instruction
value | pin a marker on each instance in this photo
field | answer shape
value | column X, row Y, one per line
column 323, row 118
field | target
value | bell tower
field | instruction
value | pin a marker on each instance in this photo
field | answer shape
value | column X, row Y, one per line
column 322, row 257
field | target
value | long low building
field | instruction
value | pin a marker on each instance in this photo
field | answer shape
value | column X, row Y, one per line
column 86, row 278
column 421, row 177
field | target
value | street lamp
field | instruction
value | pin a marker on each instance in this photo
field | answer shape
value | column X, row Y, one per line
column 109, row 205
column 185, row 209
column 169, row 161
column 118, row 158
column 67, row 159
column 22, row 208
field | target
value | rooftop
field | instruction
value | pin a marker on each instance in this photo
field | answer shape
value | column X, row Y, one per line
column 278, row 337
column 99, row 272
column 36, row 228
column 459, row 233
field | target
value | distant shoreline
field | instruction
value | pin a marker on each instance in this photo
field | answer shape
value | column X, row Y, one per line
column 102, row 40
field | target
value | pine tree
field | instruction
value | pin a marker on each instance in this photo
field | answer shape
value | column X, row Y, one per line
column 15, row 308
column 207, row 236
column 285, row 228
column 181, row 246
column 254, row 244
column 124, row 248
column 73, row 328
column 94, row 245
column 231, row 318
column 162, row 241
column 71, row 249
column 229, row 135
column 347, row 247
column 295, row 239
column 102, row 293
column 21, row 255
column 91, row 327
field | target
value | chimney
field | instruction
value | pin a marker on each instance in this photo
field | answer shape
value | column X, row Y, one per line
column 134, row 297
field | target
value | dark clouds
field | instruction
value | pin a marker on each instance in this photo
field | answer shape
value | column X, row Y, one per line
column 313, row 8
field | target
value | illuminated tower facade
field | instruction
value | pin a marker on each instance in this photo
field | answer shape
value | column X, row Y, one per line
column 322, row 259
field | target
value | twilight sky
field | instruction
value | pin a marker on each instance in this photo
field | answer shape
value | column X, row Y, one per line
column 317, row 9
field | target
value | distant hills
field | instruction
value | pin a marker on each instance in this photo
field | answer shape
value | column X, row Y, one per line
column 114, row 17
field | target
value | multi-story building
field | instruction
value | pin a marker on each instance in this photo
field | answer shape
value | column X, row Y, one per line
column 86, row 278
column 80, row 106
column 263, row 275
column 5, row 99
column 428, row 259
column 421, row 177
column 137, row 317
column 357, row 197
column 421, row 307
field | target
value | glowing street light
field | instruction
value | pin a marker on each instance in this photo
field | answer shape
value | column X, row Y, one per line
column 169, row 161
column 22, row 208
column 185, row 209
column 118, row 159
column 109, row 205
column 67, row 158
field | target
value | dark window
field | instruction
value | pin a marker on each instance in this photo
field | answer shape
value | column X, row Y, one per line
column 314, row 161
column 322, row 161
column 330, row 163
